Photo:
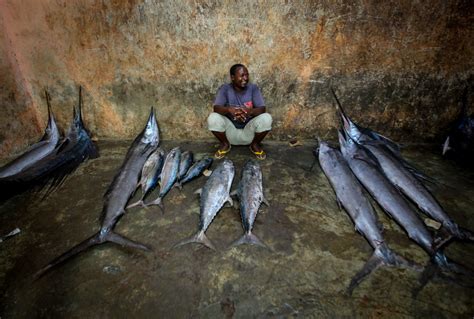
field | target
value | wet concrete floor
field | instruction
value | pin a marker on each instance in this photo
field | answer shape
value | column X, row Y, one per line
column 314, row 250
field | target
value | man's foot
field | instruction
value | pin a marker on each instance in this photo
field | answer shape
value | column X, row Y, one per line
column 222, row 151
column 258, row 151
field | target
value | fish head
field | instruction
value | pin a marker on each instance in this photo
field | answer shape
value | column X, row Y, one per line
column 346, row 143
column 151, row 134
column 252, row 167
column 228, row 165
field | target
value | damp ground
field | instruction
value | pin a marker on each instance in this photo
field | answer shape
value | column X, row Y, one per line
column 313, row 252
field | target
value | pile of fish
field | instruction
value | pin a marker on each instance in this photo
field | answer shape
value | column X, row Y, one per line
column 372, row 160
column 48, row 162
column 118, row 194
column 145, row 166
column 459, row 144
column 173, row 170
column 216, row 192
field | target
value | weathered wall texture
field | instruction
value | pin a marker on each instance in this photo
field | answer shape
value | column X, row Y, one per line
column 398, row 66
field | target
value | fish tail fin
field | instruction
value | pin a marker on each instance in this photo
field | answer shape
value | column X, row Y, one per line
column 382, row 256
column 137, row 203
column 466, row 234
column 84, row 245
column 157, row 202
column 249, row 238
column 440, row 266
column 124, row 241
column 94, row 240
column 200, row 238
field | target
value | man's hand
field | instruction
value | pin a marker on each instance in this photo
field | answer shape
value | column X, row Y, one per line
column 238, row 113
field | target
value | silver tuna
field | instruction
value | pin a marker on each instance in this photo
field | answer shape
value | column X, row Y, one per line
column 214, row 195
column 250, row 193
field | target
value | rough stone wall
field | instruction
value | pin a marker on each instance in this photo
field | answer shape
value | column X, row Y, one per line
column 399, row 67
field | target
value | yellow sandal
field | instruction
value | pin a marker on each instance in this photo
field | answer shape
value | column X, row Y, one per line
column 261, row 155
column 221, row 153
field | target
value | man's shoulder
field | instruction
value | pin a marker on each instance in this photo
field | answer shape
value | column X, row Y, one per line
column 225, row 87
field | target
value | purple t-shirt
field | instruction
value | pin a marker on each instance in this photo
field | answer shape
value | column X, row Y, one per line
column 249, row 98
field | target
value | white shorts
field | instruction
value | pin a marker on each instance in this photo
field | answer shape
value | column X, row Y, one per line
column 244, row 136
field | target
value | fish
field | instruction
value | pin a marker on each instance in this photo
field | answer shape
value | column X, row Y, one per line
column 37, row 151
column 150, row 175
column 459, row 143
column 214, row 194
column 169, row 175
column 350, row 196
column 118, row 193
column 368, row 172
column 408, row 184
column 250, row 194
column 187, row 159
column 364, row 135
column 50, row 172
column 194, row 171
column 405, row 178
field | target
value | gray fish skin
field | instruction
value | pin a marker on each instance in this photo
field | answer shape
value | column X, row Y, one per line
column 214, row 194
column 250, row 193
column 350, row 195
column 195, row 170
column 187, row 159
column 37, row 151
column 150, row 175
column 388, row 197
column 119, row 192
column 364, row 135
column 413, row 188
column 169, row 175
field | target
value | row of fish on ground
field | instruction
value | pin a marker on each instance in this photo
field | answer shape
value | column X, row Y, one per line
column 144, row 165
column 46, row 164
column 366, row 157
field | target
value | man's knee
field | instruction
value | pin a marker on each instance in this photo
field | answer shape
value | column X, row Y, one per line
column 264, row 122
column 216, row 122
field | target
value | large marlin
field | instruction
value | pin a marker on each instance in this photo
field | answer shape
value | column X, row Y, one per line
column 250, row 193
column 367, row 171
column 52, row 170
column 214, row 195
column 119, row 192
column 38, row 150
column 350, row 195
column 366, row 135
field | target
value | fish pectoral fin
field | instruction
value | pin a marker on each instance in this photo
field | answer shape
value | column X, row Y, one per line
column 265, row 201
column 198, row 191
column 230, row 201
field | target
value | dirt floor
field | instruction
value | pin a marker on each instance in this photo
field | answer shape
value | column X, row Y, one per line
column 314, row 250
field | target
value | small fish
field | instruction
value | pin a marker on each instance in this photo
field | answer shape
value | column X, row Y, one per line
column 119, row 192
column 187, row 159
column 214, row 195
column 195, row 170
column 150, row 176
column 169, row 175
column 250, row 193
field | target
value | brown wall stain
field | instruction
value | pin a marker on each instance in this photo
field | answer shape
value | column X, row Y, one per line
column 397, row 67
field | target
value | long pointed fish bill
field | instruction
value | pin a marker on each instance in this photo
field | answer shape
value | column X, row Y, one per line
column 446, row 147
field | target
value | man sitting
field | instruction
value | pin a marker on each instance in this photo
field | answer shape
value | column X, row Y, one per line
column 239, row 116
